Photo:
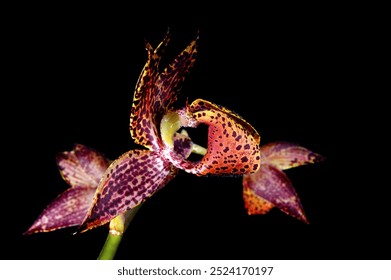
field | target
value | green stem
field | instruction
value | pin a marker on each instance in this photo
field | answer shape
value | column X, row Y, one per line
column 118, row 227
column 110, row 247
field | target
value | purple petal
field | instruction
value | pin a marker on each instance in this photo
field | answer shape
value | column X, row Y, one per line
column 285, row 155
column 82, row 166
column 182, row 145
column 254, row 203
column 272, row 185
column 68, row 209
column 129, row 180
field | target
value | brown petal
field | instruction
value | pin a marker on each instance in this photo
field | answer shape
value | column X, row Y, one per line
column 271, row 184
column 285, row 155
column 155, row 92
column 82, row 166
column 129, row 180
column 170, row 80
column 68, row 209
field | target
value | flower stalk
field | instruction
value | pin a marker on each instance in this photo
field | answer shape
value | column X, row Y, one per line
column 117, row 226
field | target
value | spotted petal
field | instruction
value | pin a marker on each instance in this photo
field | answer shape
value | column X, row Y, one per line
column 269, row 187
column 170, row 80
column 82, row 166
column 182, row 144
column 285, row 155
column 233, row 144
column 254, row 203
column 129, row 180
column 155, row 92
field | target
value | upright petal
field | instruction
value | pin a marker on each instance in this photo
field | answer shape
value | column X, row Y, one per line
column 285, row 155
column 155, row 92
column 272, row 185
column 128, row 181
column 170, row 80
column 82, row 166
column 233, row 144
column 67, row 210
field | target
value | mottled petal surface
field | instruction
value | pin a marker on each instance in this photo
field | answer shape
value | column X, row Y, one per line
column 182, row 144
column 272, row 185
column 82, row 166
column 285, row 155
column 68, row 209
column 254, row 203
column 233, row 144
column 128, row 181
column 155, row 92
column 170, row 80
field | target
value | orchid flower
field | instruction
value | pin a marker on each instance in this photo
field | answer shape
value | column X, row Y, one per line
column 103, row 191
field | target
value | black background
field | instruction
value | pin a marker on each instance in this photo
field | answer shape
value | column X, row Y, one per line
column 295, row 74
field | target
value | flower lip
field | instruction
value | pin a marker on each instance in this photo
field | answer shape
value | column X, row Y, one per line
column 233, row 144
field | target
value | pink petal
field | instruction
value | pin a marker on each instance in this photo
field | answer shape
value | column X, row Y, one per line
column 68, row 209
column 82, row 166
column 129, row 180
column 271, row 184
column 285, row 155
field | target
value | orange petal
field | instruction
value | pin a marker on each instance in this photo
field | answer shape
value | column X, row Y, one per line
column 155, row 92
column 129, row 180
column 254, row 203
column 271, row 184
column 82, row 166
column 233, row 144
column 285, row 155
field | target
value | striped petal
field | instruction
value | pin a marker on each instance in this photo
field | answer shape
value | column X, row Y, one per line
column 129, row 180
column 270, row 186
column 67, row 210
column 285, row 155
column 155, row 92
column 82, row 166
